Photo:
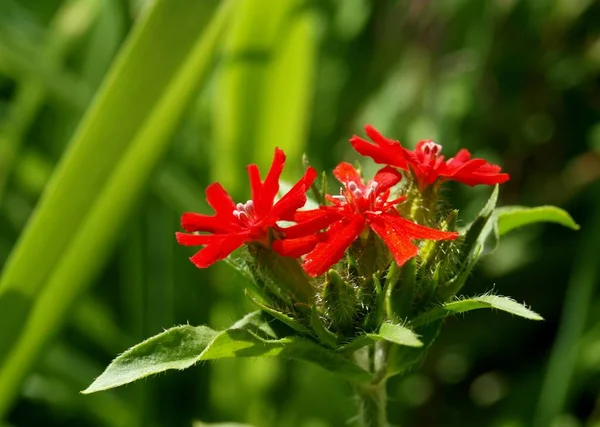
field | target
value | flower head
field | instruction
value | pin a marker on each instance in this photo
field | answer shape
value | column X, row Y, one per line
column 426, row 161
column 358, row 208
column 236, row 224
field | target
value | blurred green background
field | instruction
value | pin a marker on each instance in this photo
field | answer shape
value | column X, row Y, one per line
column 115, row 115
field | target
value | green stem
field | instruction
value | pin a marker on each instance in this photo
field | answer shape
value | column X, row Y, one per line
column 372, row 399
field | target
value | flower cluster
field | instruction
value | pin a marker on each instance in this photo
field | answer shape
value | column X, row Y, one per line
column 321, row 237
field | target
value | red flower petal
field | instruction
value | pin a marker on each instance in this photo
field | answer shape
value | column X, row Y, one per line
column 336, row 240
column 462, row 156
column 286, row 207
column 322, row 219
column 395, row 238
column 270, row 186
column 218, row 249
column 346, row 173
column 477, row 178
column 191, row 221
column 219, row 199
column 386, row 151
column 387, row 177
column 398, row 233
column 194, row 239
column 295, row 248
column 255, row 182
column 417, row 231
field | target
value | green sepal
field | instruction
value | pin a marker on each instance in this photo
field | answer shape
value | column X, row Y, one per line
column 183, row 346
column 238, row 262
column 377, row 314
column 325, row 336
column 339, row 301
column 279, row 315
column 392, row 280
column 484, row 301
column 283, row 275
column 400, row 290
column 512, row 217
column 431, row 249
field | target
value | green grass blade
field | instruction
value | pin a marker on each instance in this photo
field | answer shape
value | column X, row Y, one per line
column 578, row 299
column 108, row 165
column 265, row 85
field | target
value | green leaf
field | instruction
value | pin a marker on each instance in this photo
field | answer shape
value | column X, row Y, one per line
column 183, row 346
column 398, row 334
column 485, row 301
column 511, row 217
column 98, row 181
column 176, row 348
column 395, row 334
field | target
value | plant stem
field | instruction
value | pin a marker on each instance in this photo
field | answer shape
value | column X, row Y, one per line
column 372, row 399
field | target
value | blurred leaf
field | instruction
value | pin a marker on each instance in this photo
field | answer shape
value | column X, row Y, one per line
column 485, row 301
column 582, row 285
column 183, row 346
column 201, row 424
column 511, row 217
column 99, row 179
column 265, row 85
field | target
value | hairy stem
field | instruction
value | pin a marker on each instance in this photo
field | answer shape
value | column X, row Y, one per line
column 371, row 405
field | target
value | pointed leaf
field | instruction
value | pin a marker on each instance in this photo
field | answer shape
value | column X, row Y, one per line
column 485, row 301
column 183, row 346
column 398, row 334
column 176, row 348
column 511, row 217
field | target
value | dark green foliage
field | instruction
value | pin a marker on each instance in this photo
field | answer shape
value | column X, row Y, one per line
column 512, row 81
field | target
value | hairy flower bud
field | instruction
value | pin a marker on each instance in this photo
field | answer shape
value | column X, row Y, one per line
column 339, row 301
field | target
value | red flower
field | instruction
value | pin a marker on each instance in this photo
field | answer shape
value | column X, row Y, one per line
column 426, row 162
column 357, row 207
column 233, row 225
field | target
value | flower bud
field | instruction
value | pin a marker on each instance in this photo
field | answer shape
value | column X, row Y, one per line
column 339, row 302
column 282, row 276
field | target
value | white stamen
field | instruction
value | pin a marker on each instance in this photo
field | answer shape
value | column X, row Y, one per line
column 243, row 211
column 354, row 189
column 431, row 147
